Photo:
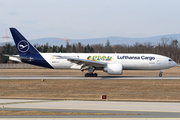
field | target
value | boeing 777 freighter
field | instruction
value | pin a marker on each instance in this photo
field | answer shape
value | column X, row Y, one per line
column 113, row 63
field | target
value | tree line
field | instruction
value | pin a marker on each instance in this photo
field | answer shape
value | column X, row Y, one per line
column 166, row 46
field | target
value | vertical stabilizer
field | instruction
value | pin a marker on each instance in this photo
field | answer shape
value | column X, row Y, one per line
column 23, row 46
column 27, row 52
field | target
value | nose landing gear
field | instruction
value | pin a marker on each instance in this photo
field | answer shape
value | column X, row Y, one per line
column 161, row 71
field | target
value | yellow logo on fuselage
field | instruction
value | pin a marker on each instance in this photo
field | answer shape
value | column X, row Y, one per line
column 100, row 58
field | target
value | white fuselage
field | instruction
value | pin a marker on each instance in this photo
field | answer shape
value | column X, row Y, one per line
column 129, row 61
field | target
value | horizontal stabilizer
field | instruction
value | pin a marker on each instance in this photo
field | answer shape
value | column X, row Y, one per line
column 18, row 57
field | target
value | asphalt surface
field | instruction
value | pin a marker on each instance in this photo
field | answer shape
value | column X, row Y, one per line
column 80, row 78
column 127, row 109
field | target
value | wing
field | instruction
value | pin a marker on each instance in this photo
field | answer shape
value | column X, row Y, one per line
column 84, row 62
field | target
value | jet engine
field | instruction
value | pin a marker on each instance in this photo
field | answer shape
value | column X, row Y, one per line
column 114, row 69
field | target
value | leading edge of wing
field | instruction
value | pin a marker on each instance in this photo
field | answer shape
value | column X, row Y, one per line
column 82, row 61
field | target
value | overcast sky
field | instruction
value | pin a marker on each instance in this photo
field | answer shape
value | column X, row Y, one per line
column 77, row 19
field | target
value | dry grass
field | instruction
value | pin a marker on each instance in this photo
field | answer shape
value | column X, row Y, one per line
column 145, row 90
column 4, row 112
column 175, row 71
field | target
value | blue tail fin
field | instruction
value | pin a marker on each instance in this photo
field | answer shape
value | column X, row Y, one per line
column 23, row 46
column 28, row 54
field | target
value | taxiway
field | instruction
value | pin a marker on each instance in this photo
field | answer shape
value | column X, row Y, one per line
column 127, row 109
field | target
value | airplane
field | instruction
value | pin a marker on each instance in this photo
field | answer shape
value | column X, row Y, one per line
column 112, row 63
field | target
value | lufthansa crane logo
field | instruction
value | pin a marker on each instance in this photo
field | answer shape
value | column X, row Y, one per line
column 23, row 46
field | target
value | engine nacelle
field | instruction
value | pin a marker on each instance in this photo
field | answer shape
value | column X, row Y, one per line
column 114, row 69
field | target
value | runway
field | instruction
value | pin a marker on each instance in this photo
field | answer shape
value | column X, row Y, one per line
column 125, row 109
column 95, row 78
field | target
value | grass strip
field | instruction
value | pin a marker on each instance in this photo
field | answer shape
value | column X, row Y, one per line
column 5, row 112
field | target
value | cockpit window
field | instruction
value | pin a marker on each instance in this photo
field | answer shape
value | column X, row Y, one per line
column 170, row 60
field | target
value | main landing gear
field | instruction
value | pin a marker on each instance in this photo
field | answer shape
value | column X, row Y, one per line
column 91, row 75
column 161, row 71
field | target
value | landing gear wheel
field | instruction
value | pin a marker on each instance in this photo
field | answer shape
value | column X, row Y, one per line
column 95, row 75
column 87, row 75
column 161, row 71
column 91, row 75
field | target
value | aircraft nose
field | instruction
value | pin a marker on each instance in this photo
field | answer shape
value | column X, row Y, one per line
column 174, row 64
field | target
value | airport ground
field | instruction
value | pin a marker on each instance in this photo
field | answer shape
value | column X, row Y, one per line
column 175, row 71
column 24, row 108
column 89, row 90
column 133, row 90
